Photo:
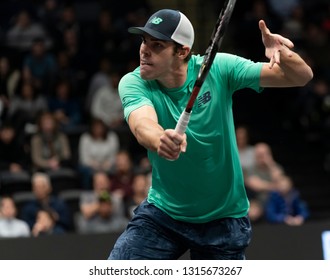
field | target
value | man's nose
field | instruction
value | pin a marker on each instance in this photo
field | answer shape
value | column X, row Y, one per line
column 144, row 49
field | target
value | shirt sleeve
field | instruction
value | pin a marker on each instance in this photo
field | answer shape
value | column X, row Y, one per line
column 133, row 92
column 239, row 72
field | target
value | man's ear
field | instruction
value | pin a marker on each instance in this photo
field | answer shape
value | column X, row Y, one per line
column 183, row 52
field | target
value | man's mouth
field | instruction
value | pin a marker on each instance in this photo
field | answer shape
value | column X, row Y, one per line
column 145, row 63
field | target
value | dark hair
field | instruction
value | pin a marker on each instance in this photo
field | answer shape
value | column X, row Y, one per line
column 94, row 121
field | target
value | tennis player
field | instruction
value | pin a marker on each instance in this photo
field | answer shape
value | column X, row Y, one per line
column 197, row 199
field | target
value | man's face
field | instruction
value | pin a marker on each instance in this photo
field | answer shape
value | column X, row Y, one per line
column 157, row 59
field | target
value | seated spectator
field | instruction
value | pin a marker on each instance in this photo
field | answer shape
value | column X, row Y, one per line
column 50, row 149
column 122, row 175
column 65, row 107
column 46, row 224
column 9, row 78
column 100, row 209
column 261, row 179
column 25, row 108
column 10, row 226
column 98, row 80
column 245, row 149
column 20, row 36
column 140, row 187
column 285, row 206
column 105, row 219
column 97, row 151
column 13, row 158
column 106, row 104
column 89, row 198
column 39, row 67
column 45, row 200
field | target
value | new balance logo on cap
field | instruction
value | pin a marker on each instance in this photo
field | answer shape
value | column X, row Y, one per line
column 156, row 20
column 168, row 25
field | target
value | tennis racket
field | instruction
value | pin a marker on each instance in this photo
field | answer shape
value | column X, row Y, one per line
column 213, row 47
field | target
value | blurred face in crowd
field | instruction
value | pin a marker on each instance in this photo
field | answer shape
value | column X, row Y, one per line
column 7, row 208
column 47, row 123
column 4, row 65
column 105, row 209
column 101, row 182
column 140, row 185
column 241, row 137
column 123, row 162
column 45, row 219
column 99, row 129
column 23, row 19
column 27, row 91
column 41, row 187
column 263, row 154
column 38, row 48
column 7, row 134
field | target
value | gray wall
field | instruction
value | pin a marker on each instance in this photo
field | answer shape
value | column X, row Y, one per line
column 270, row 242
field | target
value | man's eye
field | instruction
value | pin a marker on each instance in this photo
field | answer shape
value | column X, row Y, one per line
column 158, row 45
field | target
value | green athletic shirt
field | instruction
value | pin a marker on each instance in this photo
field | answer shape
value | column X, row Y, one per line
column 206, row 182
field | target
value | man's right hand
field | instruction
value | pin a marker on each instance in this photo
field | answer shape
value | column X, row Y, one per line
column 172, row 144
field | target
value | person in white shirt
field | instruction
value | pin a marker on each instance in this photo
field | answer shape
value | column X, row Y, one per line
column 10, row 226
column 97, row 151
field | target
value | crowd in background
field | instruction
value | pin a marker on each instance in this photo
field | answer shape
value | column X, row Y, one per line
column 67, row 159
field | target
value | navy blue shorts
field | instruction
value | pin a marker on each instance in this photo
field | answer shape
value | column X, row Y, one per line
column 154, row 235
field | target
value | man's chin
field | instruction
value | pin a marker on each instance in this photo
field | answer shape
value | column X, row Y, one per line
column 146, row 77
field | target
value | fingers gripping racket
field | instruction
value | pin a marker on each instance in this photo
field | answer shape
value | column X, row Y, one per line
column 212, row 49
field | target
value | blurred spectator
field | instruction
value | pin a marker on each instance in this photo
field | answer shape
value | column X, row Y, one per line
column 122, row 174
column 25, row 107
column 106, row 104
column 9, row 78
column 65, row 107
column 245, row 149
column 39, row 67
column 65, row 71
column 311, row 108
column 107, row 37
column 140, row 188
column 97, row 150
column 105, row 219
column 45, row 200
column 10, row 226
column 50, row 149
column 49, row 12
column 293, row 28
column 68, row 20
column 248, row 37
column 101, row 210
column 98, row 80
column 46, row 224
column 283, row 8
column 285, row 205
column 13, row 158
column 81, row 62
column 21, row 35
column 262, row 178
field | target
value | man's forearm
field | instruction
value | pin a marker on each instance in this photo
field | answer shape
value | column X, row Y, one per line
column 294, row 68
column 148, row 133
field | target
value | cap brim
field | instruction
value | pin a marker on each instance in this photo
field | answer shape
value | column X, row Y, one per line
column 151, row 32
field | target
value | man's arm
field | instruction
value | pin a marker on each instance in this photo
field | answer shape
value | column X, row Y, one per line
column 143, row 123
column 286, row 68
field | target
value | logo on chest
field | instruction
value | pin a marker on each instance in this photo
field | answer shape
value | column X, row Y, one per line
column 204, row 98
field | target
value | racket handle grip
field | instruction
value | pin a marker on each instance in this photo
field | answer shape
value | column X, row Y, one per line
column 182, row 124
